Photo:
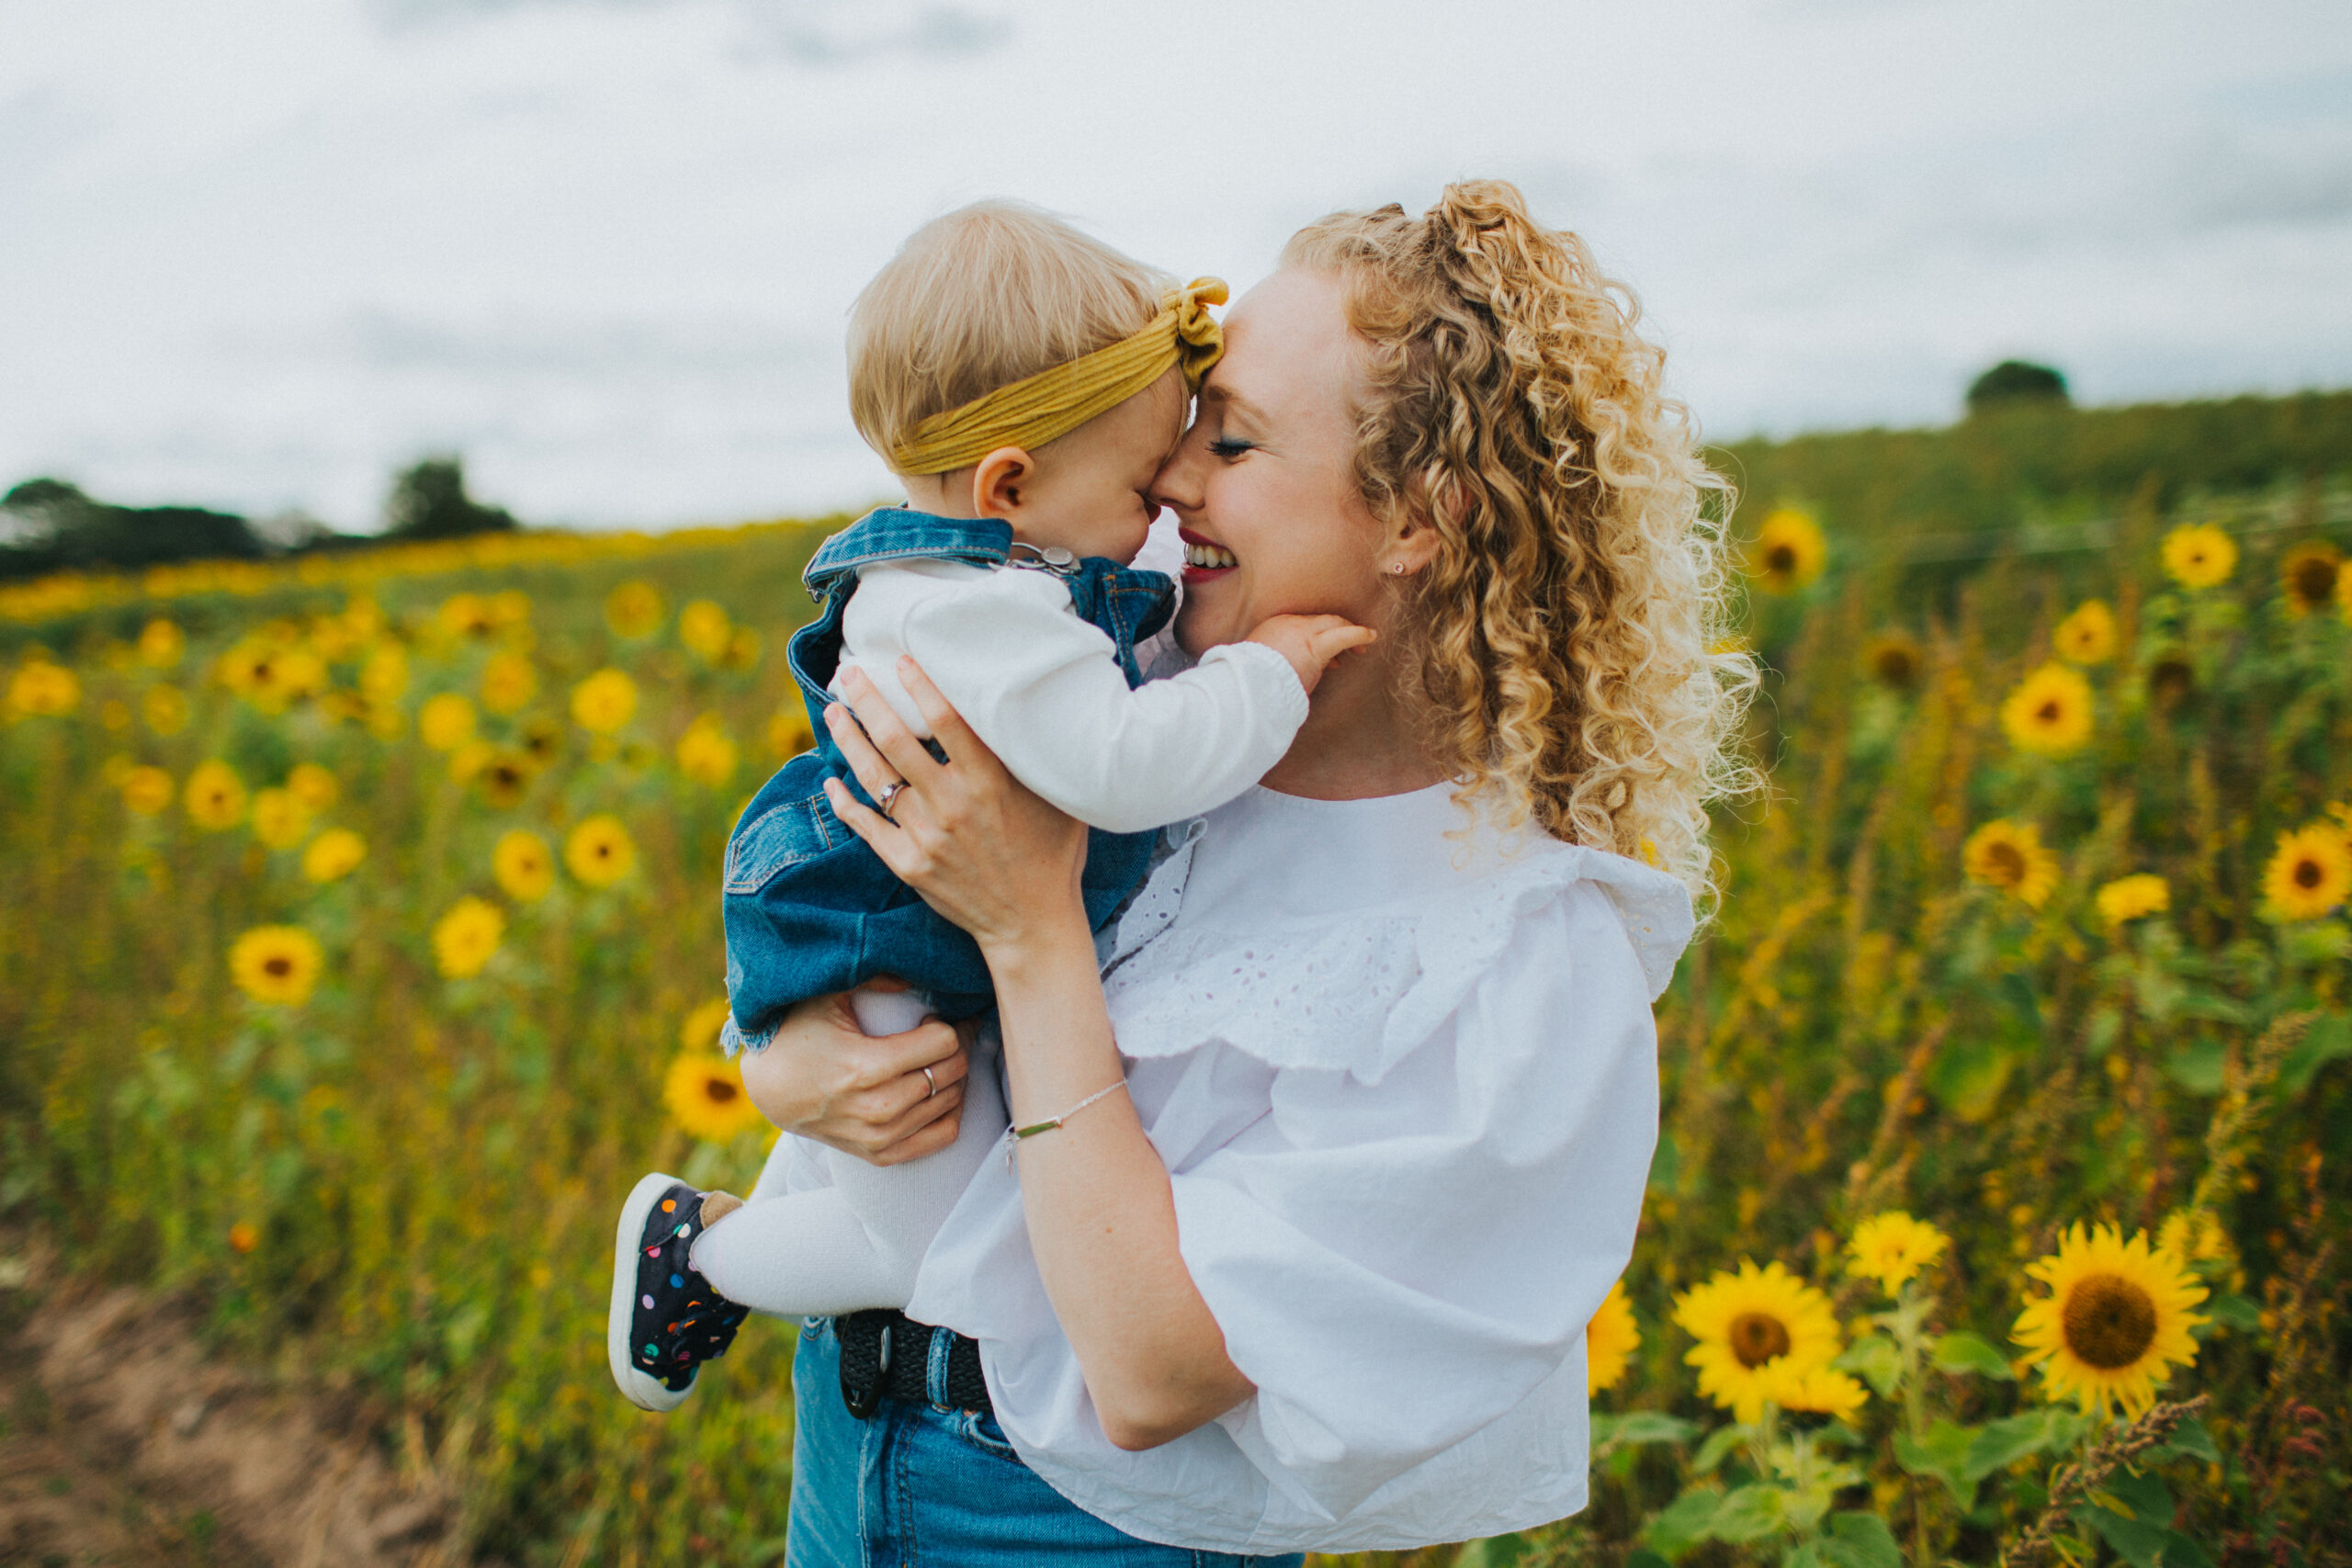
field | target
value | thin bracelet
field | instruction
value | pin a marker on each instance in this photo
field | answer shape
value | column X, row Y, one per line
column 1031, row 1130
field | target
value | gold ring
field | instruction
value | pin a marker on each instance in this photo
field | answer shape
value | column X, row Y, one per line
column 932, row 1081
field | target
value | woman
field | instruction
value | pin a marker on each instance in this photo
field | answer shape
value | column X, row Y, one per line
column 1341, row 1138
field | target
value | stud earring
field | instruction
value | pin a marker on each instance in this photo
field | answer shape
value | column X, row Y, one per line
column 1396, row 567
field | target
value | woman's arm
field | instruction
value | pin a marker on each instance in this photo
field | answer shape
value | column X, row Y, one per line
column 1004, row 864
column 823, row 1078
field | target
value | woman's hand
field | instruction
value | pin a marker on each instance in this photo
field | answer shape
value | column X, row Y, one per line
column 823, row 1078
column 980, row 846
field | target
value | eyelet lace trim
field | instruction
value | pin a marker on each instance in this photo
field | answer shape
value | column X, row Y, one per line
column 1359, row 992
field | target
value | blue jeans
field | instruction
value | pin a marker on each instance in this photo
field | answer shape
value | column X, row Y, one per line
column 918, row 1485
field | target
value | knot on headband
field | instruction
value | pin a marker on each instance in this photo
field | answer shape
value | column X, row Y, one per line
column 1037, row 409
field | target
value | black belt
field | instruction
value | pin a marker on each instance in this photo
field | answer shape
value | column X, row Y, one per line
column 884, row 1353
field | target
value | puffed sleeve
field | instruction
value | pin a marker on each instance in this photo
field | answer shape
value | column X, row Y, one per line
column 1395, row 1264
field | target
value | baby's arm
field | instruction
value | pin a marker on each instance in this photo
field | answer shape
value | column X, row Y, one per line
column 1043, row 688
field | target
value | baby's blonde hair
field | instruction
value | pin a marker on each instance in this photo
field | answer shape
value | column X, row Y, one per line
column 978, row 300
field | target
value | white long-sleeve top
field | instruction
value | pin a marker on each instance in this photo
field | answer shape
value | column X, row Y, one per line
column 1043, row 688
column 1406, row 1087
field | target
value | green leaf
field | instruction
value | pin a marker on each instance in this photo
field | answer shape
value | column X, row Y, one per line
column 1720, row 1442
column 1643, row 1557
column 2144, row 1542
column 1943, row 1454
column 1641, row 1427
column 1495, row 1552
column 2197, row 1067
column 2004, row 1442
column 2190, row 1440
column 2235, row 1312
column 1860, row 1540
column 1964, row 1352
column 1876, row 1360
column 2328, row 1039
column 1748, row 1513
column 1682, row 1524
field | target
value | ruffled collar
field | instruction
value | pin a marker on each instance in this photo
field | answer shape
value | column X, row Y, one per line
column 1341, row 934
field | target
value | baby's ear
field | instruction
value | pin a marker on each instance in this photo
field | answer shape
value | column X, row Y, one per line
column 1000, row 481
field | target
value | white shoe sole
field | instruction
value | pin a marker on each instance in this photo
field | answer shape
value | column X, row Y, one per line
column 645, row 1393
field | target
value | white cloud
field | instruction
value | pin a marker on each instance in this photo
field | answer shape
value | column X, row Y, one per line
column 260, row 252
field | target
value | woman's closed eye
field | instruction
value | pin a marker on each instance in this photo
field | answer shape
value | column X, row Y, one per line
column 1229, row 447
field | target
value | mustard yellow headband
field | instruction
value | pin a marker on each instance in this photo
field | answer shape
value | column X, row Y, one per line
column 1036, row 409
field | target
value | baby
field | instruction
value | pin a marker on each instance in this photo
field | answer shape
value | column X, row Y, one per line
column 1026, row 382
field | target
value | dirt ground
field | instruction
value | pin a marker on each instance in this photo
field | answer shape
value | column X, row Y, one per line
column 122, row 1443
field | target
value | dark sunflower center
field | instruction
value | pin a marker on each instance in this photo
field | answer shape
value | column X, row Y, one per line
column 720, row 1091
column 2108, row 1322
column 2307, row 873
column 2048, row 712
column 277, row 967
column 2003, row 864
column 2314, row 580
column 1755, row 1338
column 1781, row 558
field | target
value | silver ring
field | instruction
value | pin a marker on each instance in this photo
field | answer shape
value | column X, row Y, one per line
column 882, row 802
column 932, row 1081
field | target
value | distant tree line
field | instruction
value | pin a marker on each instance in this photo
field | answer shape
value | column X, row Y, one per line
column 48, row 525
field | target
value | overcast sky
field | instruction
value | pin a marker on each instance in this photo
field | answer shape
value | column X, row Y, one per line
column 257, row 253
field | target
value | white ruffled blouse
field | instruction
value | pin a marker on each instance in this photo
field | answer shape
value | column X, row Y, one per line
column 1404, row 1078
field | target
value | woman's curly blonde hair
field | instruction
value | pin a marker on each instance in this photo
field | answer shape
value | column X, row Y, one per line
column 1570, row 633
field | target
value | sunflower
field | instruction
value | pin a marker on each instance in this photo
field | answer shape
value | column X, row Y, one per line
column 744, row 646
column 2129, row 897
column 503, row 777
column 788, row 732
column 464, row 939
column 524, row 866
column 385, row 675
column 215, row 796
column 2009, row 855
column 2116, row 1320
column 2049, row 711
column 165, row 709
column 281, row 819
column 1817, row 1391
column 1754, row 1328
column 634, row 609
column 704, row 626
column 2088, row 636
column 313, row 785
column 467, row 615
column 161, row 644
column 1610, row 1341
column 604, row 701
column 446, row 722
column 1891, row 1248
column 1895, row 661
column 146, row 790
column 508, row 683
column 704, row 1094
column 1789, row 551
column 2309, row 577
column 469, row 759
column 700, row 1032
column 706, row 752
column 41, row 687
column 275, row 964
column 333, row 855
column 2309, row 873
column 599, row 851
column 2198, row 555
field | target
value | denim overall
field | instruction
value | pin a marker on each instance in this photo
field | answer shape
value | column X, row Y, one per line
column 809, row 908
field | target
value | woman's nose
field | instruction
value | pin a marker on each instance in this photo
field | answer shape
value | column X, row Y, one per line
column 1177, row 485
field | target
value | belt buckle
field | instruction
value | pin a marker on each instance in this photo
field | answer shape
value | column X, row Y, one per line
column 862, row 1399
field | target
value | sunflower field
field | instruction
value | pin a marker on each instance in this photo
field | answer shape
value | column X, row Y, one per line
column 361, row 946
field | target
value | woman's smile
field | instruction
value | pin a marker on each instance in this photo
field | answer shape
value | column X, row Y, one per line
column 1204, row 560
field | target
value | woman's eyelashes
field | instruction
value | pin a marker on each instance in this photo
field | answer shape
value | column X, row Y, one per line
column 1230, row 448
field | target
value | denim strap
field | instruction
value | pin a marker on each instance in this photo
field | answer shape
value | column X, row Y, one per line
column 942, row 1341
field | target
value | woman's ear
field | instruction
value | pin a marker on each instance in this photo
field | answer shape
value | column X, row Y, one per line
column 1411, row 546
column 998, row 482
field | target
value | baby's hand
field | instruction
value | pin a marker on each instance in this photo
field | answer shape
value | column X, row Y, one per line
column 1310, row 642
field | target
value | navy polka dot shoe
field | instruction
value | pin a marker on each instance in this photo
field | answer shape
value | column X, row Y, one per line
column 665, row 1321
